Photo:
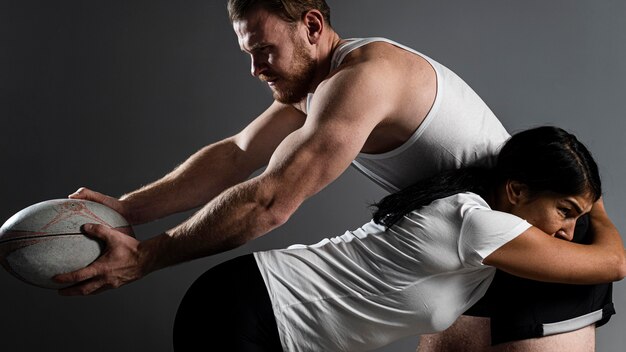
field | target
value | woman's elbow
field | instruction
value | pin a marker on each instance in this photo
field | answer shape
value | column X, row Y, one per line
column 616, row 266
column 621, row 272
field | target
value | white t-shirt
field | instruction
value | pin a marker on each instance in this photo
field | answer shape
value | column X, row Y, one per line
column 372, row 286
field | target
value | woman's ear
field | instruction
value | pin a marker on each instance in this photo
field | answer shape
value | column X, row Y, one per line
column 516, row 192
column 314, row 22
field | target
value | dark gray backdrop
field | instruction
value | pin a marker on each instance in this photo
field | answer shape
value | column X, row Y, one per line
column 114, row 94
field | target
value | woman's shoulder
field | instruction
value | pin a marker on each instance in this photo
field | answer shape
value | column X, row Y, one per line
column 454, row 208
column 464, row 200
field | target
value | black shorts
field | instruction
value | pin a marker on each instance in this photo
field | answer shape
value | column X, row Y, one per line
column 521, row 309
column 227, row 309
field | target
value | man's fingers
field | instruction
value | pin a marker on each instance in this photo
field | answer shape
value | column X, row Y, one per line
column 77, row 276
column 97, row 231
column 87, row 194
column 115, row 267
column 100, row 231
column 86, row 288
column 83, row 193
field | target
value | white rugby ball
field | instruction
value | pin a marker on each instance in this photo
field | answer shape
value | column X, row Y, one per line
column 45, row 239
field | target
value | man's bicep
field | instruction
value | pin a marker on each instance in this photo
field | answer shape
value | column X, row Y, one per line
column 313, row 156
column 342, row 115
column 259, row 139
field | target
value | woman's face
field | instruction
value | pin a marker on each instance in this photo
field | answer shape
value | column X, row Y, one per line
column 555, row 214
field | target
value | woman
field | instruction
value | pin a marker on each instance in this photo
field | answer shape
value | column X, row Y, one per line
column 427, row 256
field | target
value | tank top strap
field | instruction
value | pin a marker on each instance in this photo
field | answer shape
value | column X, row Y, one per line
column 349, row 45
column 342, row 51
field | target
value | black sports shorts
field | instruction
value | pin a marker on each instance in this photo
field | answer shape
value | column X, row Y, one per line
column 521, row 309
column 227, row 309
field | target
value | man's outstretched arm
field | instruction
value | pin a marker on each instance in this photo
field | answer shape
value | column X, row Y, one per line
column 208, row 172
column 305, row 162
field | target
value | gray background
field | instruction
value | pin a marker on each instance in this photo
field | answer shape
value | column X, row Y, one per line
column 114, row 94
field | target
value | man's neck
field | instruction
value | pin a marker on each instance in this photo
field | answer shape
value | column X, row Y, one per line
column 325, row 52
column 324, row 57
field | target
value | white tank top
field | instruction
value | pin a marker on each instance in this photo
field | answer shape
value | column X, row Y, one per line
column 459, row 130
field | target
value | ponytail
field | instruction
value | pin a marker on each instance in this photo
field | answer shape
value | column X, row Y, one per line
column 471, row 179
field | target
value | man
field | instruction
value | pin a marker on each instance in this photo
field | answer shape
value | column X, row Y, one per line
column 397, row 115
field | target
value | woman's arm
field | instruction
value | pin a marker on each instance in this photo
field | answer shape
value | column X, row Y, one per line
column 538, row 256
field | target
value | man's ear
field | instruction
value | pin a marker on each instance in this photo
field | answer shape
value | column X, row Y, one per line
column 314, row 22
column 516, row 192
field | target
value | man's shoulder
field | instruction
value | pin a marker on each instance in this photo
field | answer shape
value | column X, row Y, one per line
column 372, row 53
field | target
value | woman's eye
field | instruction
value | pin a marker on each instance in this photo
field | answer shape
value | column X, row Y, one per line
column 564, row 211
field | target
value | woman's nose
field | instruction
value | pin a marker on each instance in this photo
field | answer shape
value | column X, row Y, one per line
column 566, row 232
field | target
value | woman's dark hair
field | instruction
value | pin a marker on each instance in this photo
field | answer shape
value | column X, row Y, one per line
column 289, row 10
column 545, row 159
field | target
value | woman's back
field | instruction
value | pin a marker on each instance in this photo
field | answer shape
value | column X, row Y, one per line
column 416, row 277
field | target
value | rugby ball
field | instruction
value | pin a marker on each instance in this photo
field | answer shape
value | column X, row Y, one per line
column 45, row 239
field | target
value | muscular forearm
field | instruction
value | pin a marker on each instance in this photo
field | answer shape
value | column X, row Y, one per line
column 237, row 216
column 302, row 164
column 194, row 183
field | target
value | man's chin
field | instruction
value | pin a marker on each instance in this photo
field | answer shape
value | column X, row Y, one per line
column 288, row 98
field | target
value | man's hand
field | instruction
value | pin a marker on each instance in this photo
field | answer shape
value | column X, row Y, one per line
column 119, row 264
column 113, row 203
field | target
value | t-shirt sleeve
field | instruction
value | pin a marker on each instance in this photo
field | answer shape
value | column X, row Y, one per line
column 485, row 230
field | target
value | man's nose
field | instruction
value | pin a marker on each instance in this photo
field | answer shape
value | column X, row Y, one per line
column 257, row 66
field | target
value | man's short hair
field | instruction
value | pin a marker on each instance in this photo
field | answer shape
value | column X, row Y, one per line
column 291, row 11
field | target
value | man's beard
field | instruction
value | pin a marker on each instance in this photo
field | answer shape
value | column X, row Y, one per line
column 294, row 86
